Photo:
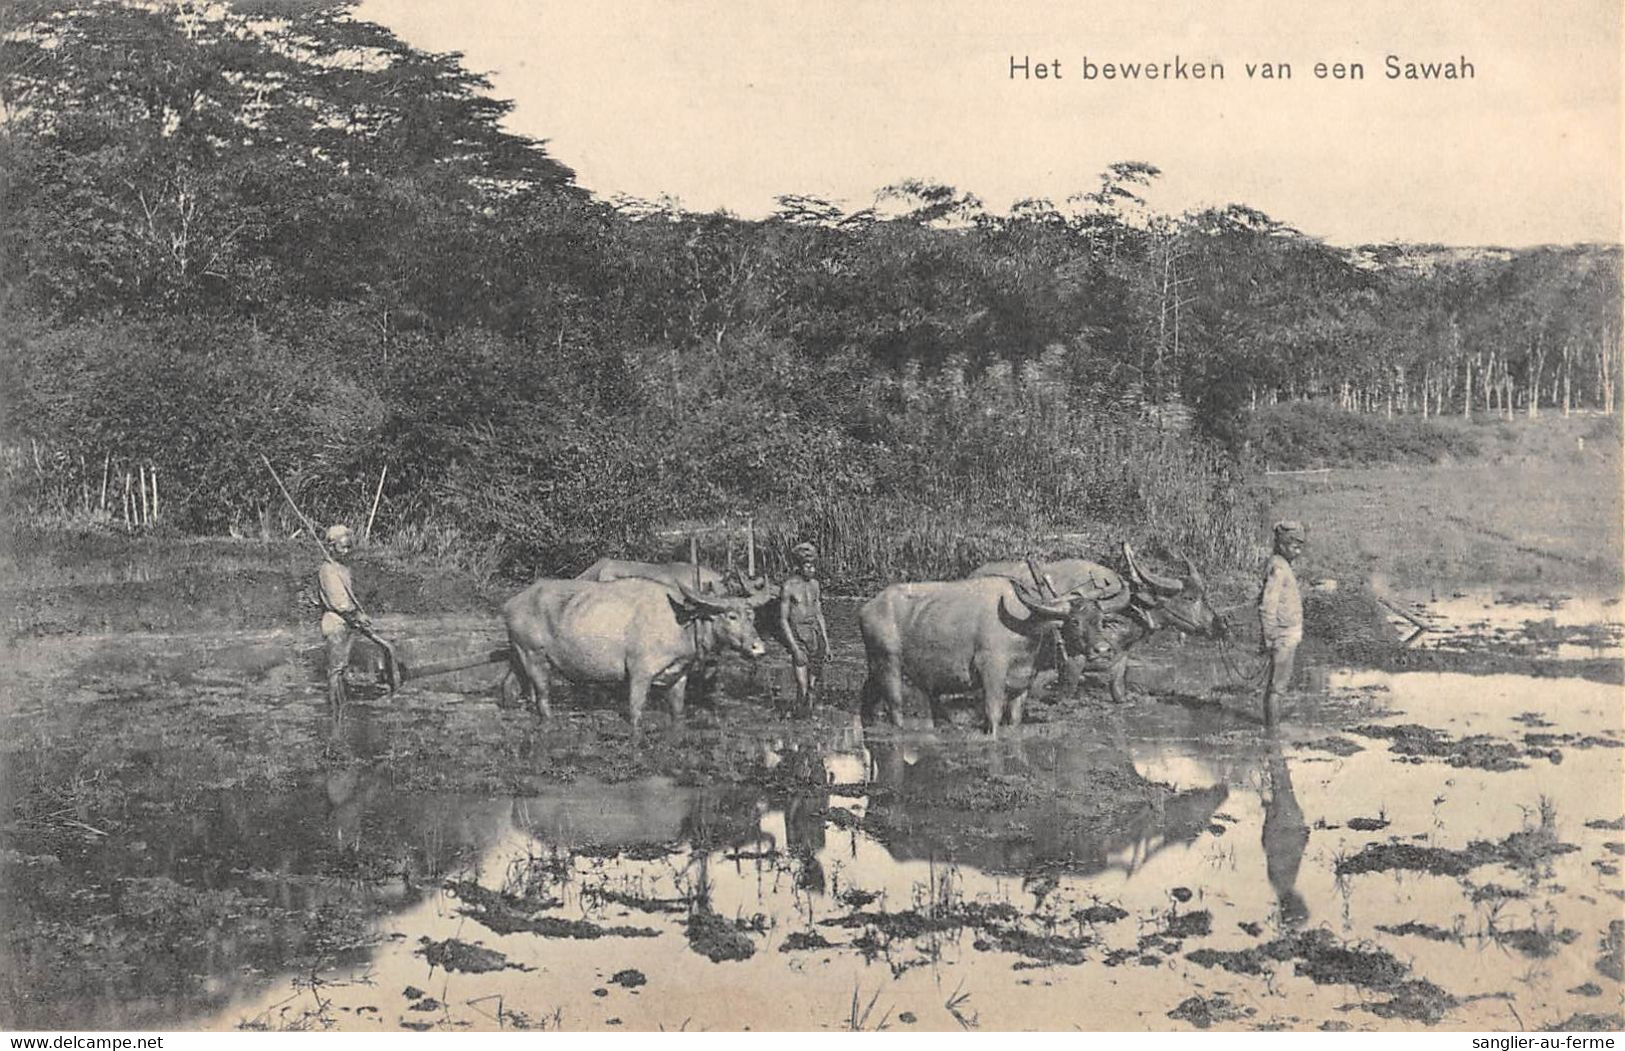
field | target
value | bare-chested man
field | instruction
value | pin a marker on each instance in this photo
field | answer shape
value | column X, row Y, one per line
column 802, row 624
column 342, row 615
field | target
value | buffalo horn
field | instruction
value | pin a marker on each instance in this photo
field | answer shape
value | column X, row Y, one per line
column 1039, row 607
column 1166, row 585
column 1192, row 574
column 700, row 603
column 1046, row 586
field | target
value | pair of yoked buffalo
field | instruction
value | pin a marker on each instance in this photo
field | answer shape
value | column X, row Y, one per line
column 643, row 625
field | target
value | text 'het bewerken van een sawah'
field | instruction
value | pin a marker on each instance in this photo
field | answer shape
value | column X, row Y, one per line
column 1392, row 67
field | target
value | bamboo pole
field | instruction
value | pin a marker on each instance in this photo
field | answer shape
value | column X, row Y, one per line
column 141, row 482
column 128, row 525
column 750, row 546
column 155, row 494
column 694, row 558
column 310, row 526
column 107, row 463
column 367, row 536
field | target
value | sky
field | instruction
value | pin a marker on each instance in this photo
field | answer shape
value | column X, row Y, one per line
column 730, row 104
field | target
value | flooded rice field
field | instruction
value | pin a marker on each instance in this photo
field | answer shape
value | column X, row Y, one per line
column 191, row 843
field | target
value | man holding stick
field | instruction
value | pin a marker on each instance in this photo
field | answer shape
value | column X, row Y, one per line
column 341, row 614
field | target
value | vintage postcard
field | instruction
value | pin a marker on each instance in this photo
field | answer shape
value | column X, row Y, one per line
column 792, row 516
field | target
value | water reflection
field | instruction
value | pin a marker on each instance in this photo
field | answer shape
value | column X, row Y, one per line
column 1285, row 834
column 1032, row 803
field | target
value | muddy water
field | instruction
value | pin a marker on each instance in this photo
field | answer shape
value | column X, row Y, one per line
column 1254, row 836
column 917, row 879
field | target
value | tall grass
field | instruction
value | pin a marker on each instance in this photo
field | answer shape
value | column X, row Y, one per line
column 901, row 476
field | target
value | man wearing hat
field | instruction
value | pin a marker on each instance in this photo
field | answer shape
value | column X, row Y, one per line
column 1280, row 613
column 801, row 622
column 340, row 612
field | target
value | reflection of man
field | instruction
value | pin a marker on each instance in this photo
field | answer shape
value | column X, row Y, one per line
column 341, row 614
column 1285, row 835
column 801, row 622
column 1280, row 614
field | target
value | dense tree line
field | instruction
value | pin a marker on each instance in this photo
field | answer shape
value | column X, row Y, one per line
column 271, row 227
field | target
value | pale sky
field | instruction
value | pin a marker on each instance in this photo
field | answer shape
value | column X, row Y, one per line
column 729, row 104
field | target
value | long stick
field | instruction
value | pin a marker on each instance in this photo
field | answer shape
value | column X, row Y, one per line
column 391, row 665
column 694, row 557
column 750, row 546
column 155, row 494
column 375, row 498
column 310, row 527
column 141, row 482
column 106, row 463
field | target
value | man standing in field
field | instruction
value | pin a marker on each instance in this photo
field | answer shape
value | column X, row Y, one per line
column 341, row 614
column 1280, row 614
column 801, row 622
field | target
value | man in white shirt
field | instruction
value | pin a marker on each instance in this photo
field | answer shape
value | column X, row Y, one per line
column 341, row 614
column 1280, row 613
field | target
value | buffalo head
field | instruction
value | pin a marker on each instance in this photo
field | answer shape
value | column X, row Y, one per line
column 732, row 619
column 1078, row 612
column 1182, row 602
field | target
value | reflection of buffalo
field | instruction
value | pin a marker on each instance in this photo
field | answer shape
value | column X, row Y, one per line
column 1024, row 805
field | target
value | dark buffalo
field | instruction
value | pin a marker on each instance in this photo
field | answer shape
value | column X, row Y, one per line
column 1133, row 605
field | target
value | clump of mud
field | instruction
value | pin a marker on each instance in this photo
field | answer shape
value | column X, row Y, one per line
column 1480, row 751
column 1188, row 925
column 1588, row 1023
column 1348, row 618
column 1202, row 1012
column 1424, row 930
column 1611, row 963
column 1052, row 948
column 640, row 902
column 1548, row 742
column 630, row 978
column 1335, row 745
column 796, row 941
column 1529, row 849
column 508, row 914
column 1325, row 961
column 1535, row 943
column 454, row 955
column 1100, row 913
column 718, row 939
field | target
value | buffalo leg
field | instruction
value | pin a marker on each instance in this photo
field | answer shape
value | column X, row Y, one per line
column 1071, row 677
column 511, row 690
column 637, row 695
column 992, row 676
column 675, row 695
column 883, row 694
column 534, row 673
column 1118, row 684
column 1017, row 705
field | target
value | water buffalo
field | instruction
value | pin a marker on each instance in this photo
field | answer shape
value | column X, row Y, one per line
column 703, row 579
column 632, row 631
column 1132, row 604
column 982, row 635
